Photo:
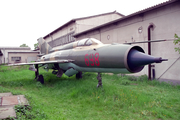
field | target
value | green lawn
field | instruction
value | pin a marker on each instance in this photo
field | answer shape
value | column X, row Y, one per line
column 121, row 98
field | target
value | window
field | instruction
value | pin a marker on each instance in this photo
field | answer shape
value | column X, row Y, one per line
column 88, row 42
column 15, row 58
column 96, row 41
column 82, row 42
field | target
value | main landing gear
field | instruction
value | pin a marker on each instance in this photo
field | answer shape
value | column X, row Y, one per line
column 79, row 75
column 99, row 80
column 60, row 72
column 38, row 77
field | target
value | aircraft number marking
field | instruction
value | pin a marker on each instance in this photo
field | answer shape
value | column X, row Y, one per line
column 92, row 59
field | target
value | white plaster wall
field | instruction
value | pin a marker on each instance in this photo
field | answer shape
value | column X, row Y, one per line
column 65, row 30
column 5, row 54
column 24, row 56
column 48, row 39
column 83, row 24
column 88, row 23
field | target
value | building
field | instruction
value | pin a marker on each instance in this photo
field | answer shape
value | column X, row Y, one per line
column 161, row 21
column 64, row 34
column 17, row 55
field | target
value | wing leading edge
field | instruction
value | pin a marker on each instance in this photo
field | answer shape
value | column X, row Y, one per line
column 42, row 62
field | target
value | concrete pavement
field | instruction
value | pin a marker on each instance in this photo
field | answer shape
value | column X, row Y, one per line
column 7, row 103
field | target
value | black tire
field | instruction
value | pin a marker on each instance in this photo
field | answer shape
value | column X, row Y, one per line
column 79, row 75
column 41, row 79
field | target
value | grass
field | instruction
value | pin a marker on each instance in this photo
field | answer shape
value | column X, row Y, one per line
column 67, row 98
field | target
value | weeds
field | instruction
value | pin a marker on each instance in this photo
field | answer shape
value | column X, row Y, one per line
column 23, row 112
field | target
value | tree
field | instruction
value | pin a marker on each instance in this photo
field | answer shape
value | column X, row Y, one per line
column 23, row 45
column 36, row 46
column 177, row 49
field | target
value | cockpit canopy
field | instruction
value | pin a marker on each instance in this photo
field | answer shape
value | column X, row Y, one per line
column 88, row 42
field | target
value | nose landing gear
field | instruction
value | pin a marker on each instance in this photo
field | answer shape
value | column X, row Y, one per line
column 38, row 77
column 99, row 80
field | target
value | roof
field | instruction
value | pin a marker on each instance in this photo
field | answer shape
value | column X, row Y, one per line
column 128, row 16
column 73, row 20
column 16, row 48
column 25, row 52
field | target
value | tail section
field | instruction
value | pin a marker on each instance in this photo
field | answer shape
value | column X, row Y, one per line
column 44, row 46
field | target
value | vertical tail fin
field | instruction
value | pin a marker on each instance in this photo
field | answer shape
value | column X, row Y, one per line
column 44, row 46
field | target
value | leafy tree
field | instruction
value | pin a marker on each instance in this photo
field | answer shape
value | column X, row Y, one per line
column 23, row 45
column 36, row 46
column 177, row 49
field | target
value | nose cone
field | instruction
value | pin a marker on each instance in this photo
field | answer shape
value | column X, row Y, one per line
column 137, row 60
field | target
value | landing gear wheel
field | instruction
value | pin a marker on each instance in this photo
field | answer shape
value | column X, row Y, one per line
column 41, row 79
column 54, row 72
column 99, row 80
column 38, row 77
column 79, row 75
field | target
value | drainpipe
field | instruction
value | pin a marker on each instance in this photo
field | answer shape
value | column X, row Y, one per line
column 149, row 50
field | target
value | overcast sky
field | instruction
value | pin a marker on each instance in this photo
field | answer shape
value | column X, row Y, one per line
column 24, row 21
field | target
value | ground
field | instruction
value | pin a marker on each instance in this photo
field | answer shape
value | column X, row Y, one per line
column 68, row 98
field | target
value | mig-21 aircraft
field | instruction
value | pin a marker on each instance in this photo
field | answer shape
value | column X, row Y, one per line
column 90, row 55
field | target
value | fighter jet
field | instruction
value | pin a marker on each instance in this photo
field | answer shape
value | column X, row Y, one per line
column 90, row 55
